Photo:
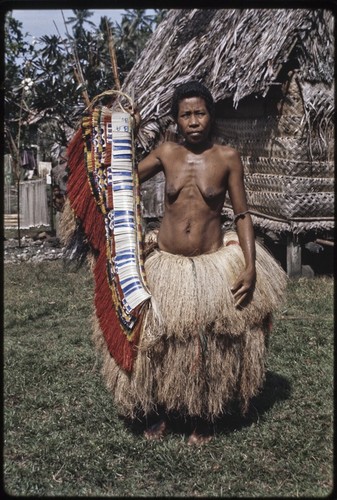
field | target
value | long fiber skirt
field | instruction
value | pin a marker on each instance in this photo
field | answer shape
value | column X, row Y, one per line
column 197, row 352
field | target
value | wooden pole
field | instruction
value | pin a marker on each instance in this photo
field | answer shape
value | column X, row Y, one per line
column 113, row 57
column 76, row 67
column 294, row 257
column 17, row 173
column 328, row 243
column 52, row 227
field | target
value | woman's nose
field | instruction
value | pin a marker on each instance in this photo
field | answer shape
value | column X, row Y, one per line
column 193, row 120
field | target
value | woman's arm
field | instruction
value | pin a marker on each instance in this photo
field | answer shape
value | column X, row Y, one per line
column 244, row 285
column 150, row 165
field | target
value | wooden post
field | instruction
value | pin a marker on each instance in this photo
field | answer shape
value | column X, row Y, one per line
column 294, row 257
column 51, row 215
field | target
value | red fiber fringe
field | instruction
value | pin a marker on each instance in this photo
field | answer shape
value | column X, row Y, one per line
column 83, row 203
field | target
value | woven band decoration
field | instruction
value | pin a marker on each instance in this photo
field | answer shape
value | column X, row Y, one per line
column 104, row 192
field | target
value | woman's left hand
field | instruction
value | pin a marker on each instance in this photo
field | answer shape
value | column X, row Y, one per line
column 243, row 286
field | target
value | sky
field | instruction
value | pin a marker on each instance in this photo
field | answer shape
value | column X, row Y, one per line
column 39, row 22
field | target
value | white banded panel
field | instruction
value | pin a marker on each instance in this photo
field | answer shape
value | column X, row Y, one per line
column 124, row 226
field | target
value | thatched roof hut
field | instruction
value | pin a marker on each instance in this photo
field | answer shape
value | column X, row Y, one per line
column 271, row 74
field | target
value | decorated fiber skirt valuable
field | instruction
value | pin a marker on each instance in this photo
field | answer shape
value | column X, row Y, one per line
column 103, row 195
column 197, row 352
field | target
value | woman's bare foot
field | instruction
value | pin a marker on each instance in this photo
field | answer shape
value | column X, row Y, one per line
column 196, row 439
column 202, row 434
column 156, row 431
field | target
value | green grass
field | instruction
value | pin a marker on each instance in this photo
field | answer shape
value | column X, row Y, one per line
column 63, row 437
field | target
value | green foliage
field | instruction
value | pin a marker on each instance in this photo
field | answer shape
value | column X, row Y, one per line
column 17, row 100
column 63, row 437
column 131, row 36
column 68, row 72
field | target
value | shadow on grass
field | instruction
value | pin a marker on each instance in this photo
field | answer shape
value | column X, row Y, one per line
column 276, row 388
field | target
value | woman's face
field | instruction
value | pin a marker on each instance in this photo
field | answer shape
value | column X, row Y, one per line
column 194, row 120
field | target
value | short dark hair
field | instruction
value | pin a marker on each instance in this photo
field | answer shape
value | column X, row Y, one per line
column 191, row 89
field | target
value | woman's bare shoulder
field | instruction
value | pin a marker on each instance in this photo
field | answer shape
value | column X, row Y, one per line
column 167, row 148
column 228, row 151
column 229, row 156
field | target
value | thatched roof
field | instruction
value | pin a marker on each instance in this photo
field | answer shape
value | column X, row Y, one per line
column 236, row 53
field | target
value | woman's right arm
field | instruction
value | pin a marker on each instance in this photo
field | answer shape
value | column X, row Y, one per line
column 150, row 165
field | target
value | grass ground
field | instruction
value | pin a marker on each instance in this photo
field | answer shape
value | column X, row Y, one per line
column 63, row 437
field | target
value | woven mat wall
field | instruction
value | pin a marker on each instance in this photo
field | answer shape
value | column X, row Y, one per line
column 289, row 165
column 283, row 177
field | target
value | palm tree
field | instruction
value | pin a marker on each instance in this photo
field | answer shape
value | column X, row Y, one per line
column 81, row 17
column 132, row 34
